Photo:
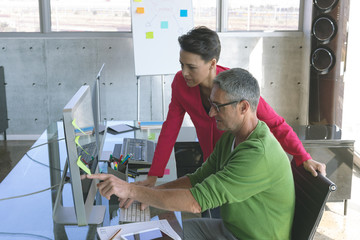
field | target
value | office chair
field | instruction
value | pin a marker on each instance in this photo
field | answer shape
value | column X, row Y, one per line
column 311, row 196
column 188, row 157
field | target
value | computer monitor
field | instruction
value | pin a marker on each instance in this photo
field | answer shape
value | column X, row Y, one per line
column 81, row 132
column 99, row 93
column 98, row 111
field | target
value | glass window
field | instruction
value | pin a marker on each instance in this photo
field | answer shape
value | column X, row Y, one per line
column 19, row 16
column 263, row 15
column 205, row 13
column 90, row 15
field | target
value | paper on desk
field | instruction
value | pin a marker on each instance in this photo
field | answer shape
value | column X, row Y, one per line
column 107, row 232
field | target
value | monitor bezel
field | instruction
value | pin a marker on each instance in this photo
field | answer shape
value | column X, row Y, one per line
column 83, row 212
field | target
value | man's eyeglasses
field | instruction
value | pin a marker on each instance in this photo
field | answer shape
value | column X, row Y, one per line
column 217, row 107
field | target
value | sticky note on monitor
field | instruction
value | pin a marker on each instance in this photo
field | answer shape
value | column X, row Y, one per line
column 83, row 166
column 183, row 13
column 140, row 10
column 149, row 35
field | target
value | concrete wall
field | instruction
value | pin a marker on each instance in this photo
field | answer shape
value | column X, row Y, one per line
column 42, row 74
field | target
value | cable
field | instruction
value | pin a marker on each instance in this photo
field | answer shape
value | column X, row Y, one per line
column 25, row 234
column 42, row 163
column 33, row 193
column 56, row 140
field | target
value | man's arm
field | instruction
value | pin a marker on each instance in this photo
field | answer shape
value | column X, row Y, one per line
column 182, row 182
column 164, row 197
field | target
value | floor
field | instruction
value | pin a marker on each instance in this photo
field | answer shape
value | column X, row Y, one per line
column 334, row 224
column 10, row 153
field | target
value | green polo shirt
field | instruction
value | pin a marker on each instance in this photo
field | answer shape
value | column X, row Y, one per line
column 252, row 184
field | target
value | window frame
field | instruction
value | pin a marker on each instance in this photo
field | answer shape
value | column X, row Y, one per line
column 221, row 26
column 222, row 16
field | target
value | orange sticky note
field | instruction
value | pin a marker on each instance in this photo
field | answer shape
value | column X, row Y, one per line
column 140, row 10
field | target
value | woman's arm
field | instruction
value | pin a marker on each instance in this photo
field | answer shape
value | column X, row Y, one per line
column 288, row 138
column 169, row 132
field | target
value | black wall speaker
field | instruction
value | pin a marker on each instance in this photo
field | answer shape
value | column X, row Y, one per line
column 328, row 61
column 3, row 108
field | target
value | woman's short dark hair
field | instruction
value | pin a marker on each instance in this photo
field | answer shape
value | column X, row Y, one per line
column 201, row 41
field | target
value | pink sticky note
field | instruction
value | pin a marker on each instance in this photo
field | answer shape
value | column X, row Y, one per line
column 167, row 171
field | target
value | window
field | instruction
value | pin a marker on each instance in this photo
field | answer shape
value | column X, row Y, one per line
column 204, row 12
column 90, row 15
column 19, row 16
column 115, row 16
column 263, row 15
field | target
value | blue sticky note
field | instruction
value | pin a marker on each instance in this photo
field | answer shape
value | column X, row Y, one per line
column 183, row 13
column 164, row 24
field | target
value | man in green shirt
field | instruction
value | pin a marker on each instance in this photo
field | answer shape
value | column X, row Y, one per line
column 248, row 175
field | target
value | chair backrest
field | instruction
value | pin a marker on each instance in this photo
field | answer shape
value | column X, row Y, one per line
column 188, row 157
column 311, row 196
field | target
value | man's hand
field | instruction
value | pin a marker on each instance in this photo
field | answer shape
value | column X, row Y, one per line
column 312, row 166
column 110, row 185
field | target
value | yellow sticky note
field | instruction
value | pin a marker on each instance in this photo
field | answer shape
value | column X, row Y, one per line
column 83, row 166
column 76, row 126
column 137, row 0
column 140, row 10
column 149, row 35
column 78, row 144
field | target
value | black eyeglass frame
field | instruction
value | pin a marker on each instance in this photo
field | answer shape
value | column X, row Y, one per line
column 217, row 107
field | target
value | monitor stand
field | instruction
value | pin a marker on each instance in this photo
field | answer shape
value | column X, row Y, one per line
column 67, row 215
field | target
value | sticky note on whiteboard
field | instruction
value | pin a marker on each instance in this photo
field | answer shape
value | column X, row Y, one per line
column 140, row 10
column 137, row 0
column 149, row 35
column 183, row 13
column 164, row 25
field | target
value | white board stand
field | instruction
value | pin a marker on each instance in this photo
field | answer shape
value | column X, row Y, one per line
column 162, row 95
column 156, row 26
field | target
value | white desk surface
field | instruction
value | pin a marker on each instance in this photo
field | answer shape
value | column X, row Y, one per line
column 30, row 217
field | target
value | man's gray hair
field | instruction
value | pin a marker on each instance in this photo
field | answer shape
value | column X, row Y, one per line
column 239, row 84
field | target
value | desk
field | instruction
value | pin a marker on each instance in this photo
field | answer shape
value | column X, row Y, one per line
column 324, row 144
column 30, row 217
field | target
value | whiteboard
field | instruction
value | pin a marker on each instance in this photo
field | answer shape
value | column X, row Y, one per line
column 156, row 26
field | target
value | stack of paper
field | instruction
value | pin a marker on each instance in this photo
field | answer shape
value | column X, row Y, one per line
column 106, row 233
